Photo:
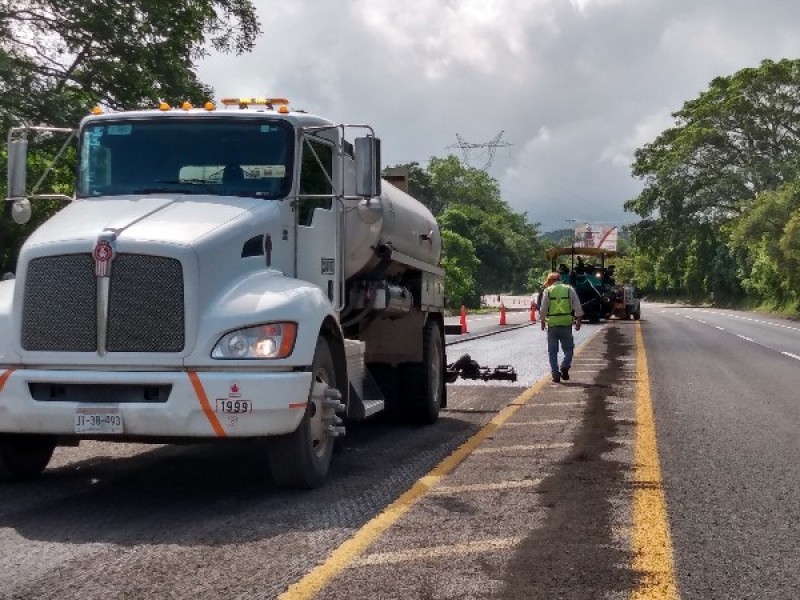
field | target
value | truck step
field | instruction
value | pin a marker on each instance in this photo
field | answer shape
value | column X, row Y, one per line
column 372, row 407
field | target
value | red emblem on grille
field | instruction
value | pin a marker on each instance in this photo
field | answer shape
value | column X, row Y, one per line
column 103, row 255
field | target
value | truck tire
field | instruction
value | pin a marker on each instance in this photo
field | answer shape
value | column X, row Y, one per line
column 637, row 315
column 24, row 456
column 301, row 459
column 425, row 381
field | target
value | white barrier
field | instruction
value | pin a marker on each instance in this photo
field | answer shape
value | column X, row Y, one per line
column 510, row 302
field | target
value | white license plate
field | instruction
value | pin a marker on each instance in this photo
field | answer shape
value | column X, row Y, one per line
column 234, row 407
column 97, row 419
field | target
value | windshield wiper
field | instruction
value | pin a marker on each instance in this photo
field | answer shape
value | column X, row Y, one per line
column 166, row 190
column 192, row 182
column 204, row 186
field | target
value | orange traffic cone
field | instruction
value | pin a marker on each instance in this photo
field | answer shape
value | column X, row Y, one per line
column 502, row 314
column 464, row 319
column 533, row 312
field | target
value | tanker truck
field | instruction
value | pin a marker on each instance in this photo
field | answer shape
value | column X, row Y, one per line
column 227, row 271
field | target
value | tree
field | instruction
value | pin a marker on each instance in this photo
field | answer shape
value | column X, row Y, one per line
column 762, row 241
column 59, row 57
column 740, row 137
column 467, row 202
column 704, row 180
column 459, row 263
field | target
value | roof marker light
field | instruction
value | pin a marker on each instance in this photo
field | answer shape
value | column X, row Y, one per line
column 97, row 110
column 163, row 106
column 209, row 106
column 186, row 105
column 283, row 109
column 245, row 102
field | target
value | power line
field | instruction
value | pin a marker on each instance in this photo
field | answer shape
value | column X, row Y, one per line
column 490, row 148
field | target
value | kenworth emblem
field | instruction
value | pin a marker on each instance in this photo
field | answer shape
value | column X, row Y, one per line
column 103, row 255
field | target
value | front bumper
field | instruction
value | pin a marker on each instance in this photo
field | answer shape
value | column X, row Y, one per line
column 189, row 409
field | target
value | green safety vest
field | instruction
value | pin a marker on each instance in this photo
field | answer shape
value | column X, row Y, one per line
column 559, row 311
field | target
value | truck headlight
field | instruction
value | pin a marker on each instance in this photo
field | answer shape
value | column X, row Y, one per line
column 273, row 340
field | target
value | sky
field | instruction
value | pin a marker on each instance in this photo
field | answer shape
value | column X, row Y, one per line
column 575, row 86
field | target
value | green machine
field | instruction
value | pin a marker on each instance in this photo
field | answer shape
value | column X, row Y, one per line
column 586, row 270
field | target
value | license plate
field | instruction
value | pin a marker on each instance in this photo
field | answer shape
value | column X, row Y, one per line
column 235, row 407
column 98, row 420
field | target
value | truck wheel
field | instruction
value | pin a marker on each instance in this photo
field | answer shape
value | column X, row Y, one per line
column 24, row 456
column 301, row 459
column 636, row 315
column 425, row 380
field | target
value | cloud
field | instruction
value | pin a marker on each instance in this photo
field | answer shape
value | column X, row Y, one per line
column 575, row 86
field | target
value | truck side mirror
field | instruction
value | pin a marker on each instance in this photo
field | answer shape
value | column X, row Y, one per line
column 17, row 168
column 368, row 166
column 17, row 181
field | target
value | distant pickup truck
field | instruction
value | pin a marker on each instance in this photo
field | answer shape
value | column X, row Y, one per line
column 627, row 303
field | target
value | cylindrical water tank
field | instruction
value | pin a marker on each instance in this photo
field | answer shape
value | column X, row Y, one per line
column 393, row 222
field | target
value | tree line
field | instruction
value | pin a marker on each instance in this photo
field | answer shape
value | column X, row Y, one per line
column 720, row 205
column 487, row 246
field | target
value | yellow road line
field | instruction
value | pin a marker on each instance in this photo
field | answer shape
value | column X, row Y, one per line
column 351, row 549
column 652, row 545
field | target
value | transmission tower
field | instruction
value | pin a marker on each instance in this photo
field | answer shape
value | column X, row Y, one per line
column 491, row 147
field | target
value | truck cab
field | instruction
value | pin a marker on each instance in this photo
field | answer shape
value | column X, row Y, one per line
column 220, row 272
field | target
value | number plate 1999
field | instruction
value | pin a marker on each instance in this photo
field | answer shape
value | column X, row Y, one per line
column 98, row 419
column 236, row 407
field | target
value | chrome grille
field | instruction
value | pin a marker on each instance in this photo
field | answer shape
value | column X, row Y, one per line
column 146, row 305
column 60, row 305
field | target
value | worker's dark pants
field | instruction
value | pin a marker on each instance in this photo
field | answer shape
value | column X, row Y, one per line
column 563, row 336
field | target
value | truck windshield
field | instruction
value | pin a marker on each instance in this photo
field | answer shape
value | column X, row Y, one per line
column 224, row 157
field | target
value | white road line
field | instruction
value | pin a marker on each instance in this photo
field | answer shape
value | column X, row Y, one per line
column 523, row 447
column 541, row 422
column 485, row 487
column 790, row 355
column 387, row 558
column 556, row 404
column 720, row 328
column 744, row 337
column 703, row 322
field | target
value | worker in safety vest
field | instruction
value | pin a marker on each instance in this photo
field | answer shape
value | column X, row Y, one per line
column 560, row 309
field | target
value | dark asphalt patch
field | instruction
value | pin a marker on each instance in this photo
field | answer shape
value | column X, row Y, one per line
column 574, row 554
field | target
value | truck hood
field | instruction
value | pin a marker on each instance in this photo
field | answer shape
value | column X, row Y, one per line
column 174, row 219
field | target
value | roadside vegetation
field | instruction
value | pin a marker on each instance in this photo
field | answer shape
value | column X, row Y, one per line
column 721, row 203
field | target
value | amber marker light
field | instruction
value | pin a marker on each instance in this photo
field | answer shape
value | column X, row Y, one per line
column 283, row 109
column 186, row 105
column 97, row 110
column 209, row 106
column 163, row 106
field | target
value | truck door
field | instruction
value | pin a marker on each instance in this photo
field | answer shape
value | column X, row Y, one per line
column 316, row 214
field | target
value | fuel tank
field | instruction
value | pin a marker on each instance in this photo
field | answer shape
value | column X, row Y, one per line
column 392, row 226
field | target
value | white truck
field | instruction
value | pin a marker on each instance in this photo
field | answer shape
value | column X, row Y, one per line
column 232, row 271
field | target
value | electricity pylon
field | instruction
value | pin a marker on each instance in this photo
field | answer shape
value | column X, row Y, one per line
column 491, row 148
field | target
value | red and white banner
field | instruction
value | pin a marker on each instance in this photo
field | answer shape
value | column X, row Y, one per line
column 596, row 236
